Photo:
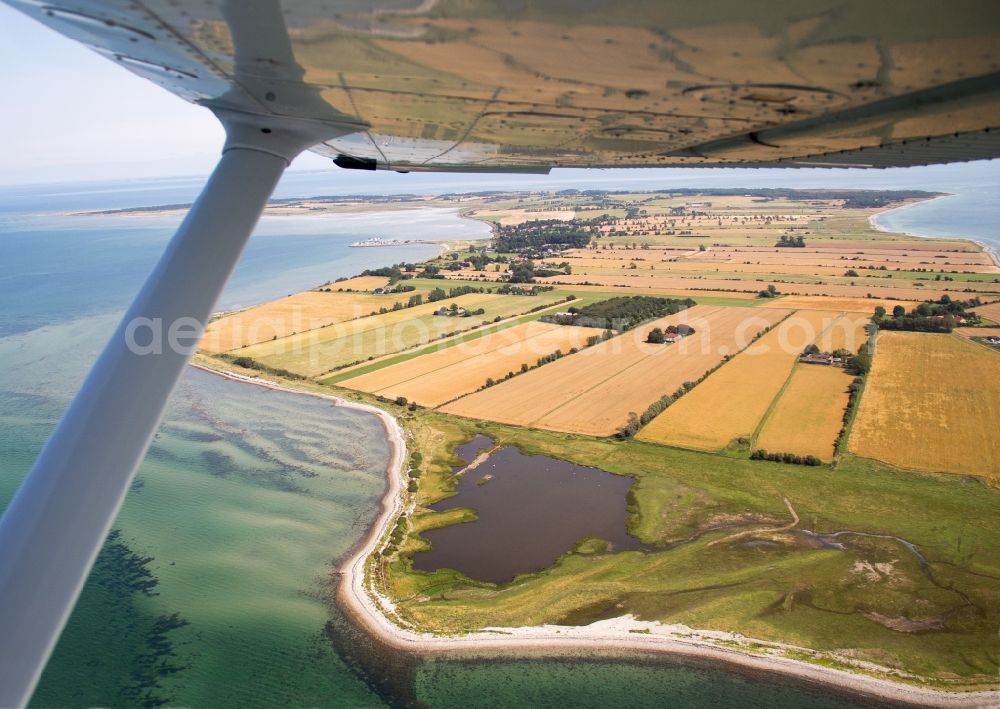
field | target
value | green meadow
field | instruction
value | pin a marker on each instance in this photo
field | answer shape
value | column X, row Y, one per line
column 720, row 561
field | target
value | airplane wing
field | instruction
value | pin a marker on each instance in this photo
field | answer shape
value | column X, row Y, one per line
column 484, row 85
column 472, row 85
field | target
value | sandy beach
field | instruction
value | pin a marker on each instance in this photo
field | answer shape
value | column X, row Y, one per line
column 375, row 613
column 873, row 220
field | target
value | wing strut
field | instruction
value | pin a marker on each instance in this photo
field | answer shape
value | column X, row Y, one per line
column 53, row 528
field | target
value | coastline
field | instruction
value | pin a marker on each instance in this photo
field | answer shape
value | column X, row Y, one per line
column 372, row 611
column 873, row 221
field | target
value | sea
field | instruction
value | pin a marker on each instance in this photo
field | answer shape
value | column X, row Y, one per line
column 249, row 497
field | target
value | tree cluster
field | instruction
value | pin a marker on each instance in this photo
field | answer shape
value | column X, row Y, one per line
column 792, row 458
column 250, row 363
column 507, row 289
column 861, row 363
column 657, row 336
column 623, row 312
column 393, row 273
column 791, row 241
column 454, row 311
column 929, row 316
column 440, row 293
column 539, row 234
column 635, row 421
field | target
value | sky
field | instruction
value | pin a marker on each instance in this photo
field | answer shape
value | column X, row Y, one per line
column 71, row 115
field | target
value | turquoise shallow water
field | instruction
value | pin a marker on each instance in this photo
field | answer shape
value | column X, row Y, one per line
column 248, row 497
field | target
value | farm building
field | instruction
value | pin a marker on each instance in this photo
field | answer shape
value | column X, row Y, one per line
column 819, row 358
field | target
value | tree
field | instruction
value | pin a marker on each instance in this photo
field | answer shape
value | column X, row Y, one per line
column 898, row 311
column 436, row 295
column 860, row 363
column 851, row 273
column 523, row 272
column 655, row 336
column 415, row 300
column 631, row 426
column 879, row 312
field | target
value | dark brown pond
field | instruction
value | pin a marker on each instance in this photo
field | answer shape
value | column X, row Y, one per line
column 468, row 451
column 531, row 509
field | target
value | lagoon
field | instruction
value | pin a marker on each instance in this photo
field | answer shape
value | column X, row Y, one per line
column 530, row 510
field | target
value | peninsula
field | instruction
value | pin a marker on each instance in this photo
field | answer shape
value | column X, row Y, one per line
column 808, row 443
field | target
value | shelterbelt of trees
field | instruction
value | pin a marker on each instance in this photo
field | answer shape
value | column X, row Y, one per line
column 930, row 316
column 620, row 313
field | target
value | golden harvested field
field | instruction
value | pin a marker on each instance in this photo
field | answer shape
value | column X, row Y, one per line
column 319, row 351
column 618, row 289
column 825, row 263
column 809, row 414
column 296, row 313
column 593, row 391
column 978, row 331
column 436, row 378
column 991, row 311
column 676, row 292
column 819, row 302
column 830, row 253
column 932, row 403
column 615, row 266
column 731, row 402
column 660, row 279
column 846, row 333
column 520, row 216
column 365, row 283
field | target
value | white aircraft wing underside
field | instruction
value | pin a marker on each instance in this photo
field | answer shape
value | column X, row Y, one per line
column 525, row 86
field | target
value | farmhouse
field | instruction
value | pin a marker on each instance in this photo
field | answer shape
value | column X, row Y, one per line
column 453, row 311
column 672, row 337
column 817, row 358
